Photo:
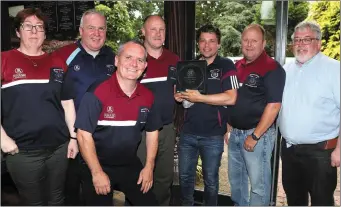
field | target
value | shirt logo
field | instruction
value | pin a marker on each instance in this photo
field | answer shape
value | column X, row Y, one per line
column 144, row 115
column 19, row 73
column 76, row 68
column 215, row 74
column 58, row 74
column 252, row 80
column 110, row 69
column 110, row 113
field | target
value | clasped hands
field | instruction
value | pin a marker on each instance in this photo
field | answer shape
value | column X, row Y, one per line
column 189, row 95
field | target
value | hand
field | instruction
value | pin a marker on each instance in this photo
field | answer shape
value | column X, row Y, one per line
column 192, row 95
column 249, row 144
column 101, row 183
column 9, row 146
column 178, row 97
column 226, row 137
column 146, row 178
column 72, row 149
column 335, row 157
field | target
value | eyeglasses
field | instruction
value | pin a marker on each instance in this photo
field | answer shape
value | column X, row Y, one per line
column 29, row 27
column 304, row 41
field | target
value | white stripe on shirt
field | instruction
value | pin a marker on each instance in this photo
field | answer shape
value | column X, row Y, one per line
column 116, row 123
column 19, row 82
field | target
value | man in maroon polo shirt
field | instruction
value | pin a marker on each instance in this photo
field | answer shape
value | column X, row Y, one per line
column 160, row 60
column 109, row 122
column 253, row 133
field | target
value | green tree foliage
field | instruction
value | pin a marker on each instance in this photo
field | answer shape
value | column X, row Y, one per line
column 119, row 24
column 327, row 15
column 124, row 18
column 298, row 11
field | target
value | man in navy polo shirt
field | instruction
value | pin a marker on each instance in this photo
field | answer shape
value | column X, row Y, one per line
column 204, row 125
column 88, row 60
column 253, row 133
column 109, row 124
column 156, row 79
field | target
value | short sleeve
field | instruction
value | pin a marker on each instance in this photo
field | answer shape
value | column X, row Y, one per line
column 274, row 85
column 88, row 113
column 230, row 80
column 154, row 120
column 68, row 90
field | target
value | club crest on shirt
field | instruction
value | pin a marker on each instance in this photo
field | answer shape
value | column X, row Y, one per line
column 19, row 73
column 58, row 74
column 215, row 74
column 144, row 114
column 76, row 68
column 252, row 80
column 109, row 113
column 110, row 69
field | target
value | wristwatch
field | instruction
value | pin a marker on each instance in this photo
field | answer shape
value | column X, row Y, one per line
column 254, row 137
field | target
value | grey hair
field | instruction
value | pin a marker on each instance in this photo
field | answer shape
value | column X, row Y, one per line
column 309, row 24
column 121, row 48
column 92, row 11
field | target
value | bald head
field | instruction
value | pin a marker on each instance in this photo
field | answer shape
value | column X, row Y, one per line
column 253, row 42
column 154, row 32
column 257, row 28
column 152, row 18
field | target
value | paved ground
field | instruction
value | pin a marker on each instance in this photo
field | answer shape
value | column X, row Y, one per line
column 224, row 186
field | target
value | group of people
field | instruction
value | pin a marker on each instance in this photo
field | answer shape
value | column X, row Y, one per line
column 81, row 122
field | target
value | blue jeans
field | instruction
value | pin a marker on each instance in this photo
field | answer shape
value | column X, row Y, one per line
column 210, row 150
column 253, row 165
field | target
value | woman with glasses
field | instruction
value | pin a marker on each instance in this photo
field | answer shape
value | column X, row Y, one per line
column 35, row 125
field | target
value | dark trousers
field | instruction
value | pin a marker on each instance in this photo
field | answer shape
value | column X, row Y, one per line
column 164, row 163
column 73, row 196
column 39, row 175
column 306, row 168
column 122, row 178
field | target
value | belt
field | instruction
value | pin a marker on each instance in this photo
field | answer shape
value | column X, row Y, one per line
column 328, row 144
column 331, row 144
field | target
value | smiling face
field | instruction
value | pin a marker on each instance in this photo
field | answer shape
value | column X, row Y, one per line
column 154, row 31
column 208, row 45
column 93, row 32
column 304, row 52
column 31, row 39
column 131, row 61
column 253, row 44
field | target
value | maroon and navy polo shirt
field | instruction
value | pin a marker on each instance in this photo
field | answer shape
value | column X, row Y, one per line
column 31, row 110
column 208, row 120
column 116, row 120
column 157, row 79
column 262, row 82
column 84, row 69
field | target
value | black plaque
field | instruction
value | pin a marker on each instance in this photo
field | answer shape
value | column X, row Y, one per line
column 65, row 16
column 191, row 74
column 80, row 8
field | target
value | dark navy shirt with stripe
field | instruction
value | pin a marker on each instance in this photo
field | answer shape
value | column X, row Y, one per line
column 156, row 78
column 208, row 120
column 262, row 83
column 116, row 120
column 31, row 110
column 84, row 69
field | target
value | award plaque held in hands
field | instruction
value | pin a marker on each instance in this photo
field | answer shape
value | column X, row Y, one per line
column 191, row 74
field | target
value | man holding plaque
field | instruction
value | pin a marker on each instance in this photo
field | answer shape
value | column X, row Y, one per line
column 204, row 124
column 156, row 78
column 252, row 135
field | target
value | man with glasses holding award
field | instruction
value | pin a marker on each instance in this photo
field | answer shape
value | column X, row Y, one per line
column 210, row 83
